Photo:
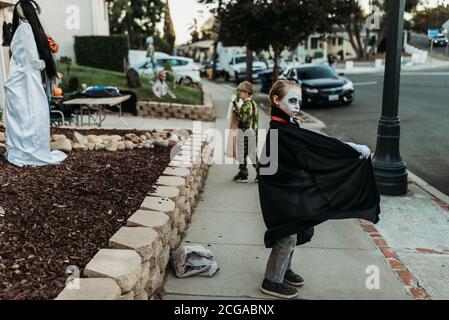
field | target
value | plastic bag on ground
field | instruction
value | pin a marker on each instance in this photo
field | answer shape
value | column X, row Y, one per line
column 193, row 260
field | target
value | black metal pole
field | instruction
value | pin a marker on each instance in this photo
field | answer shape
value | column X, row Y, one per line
column 390, row 170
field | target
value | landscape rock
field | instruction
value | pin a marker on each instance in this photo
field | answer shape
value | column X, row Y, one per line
column 158, row 221
column 80, row 147
column 93, row 139
column 2, row 149
column 128, row 296
column 64, row 145
column 124, row 266
column 92, row 289
column 164, row 258
column 105, row 138
column 112, row 146
column 2, row 137
column 140, row 239
column 162, row 143
column 148, row 144
column 91, row 146
column 141, row 297
column 99, row 146
column 132, row 137
column 117, row 137
column 79, row 138
column 129, row 145
column 57, row 137
column 121, row 146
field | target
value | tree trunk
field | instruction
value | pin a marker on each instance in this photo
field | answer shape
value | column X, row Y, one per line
column 215, row 54
column 362, row 52
column 277, row 55
column 215, row 60
column 352, row 41
column 249, row 64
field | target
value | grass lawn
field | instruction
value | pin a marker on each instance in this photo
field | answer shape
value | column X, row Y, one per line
column 100, row 77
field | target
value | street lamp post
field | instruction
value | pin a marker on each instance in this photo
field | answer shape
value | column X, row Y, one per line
column 390, row 170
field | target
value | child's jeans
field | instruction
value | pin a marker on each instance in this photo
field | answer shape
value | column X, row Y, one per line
column 280, row 259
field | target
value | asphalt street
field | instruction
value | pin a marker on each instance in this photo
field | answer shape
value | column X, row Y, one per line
column 424, row 113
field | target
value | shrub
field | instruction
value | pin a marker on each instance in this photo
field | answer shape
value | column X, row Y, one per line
column 104, row 52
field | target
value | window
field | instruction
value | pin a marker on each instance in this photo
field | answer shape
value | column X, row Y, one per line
column 316, row 73
column 177, row 63
column 160, row 63
column 314, row 44
column 340, row 41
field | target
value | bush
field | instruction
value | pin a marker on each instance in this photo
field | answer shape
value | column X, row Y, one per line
column 104, row 52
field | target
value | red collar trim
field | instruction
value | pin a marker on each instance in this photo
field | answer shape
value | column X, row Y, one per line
column 274, row 118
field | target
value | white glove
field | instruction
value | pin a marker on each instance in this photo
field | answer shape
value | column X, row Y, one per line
column 364, row 151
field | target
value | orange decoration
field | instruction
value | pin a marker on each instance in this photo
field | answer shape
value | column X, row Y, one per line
column 58, row 92
column 53, row 45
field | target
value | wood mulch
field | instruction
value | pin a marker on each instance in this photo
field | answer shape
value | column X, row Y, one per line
column 59, row 216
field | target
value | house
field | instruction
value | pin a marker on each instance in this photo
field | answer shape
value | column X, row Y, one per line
column 337, row 43
column 69, row 18
column 446, row 26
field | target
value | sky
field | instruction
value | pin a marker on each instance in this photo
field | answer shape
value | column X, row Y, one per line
column 184, row 11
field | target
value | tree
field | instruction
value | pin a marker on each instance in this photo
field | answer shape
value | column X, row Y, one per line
column 169, row 30
column 137, row 19
column 430, row 18
column 349, row 15
column 286, row 23
column 410, row 6
column 217, row 11
column 240, row 26
column 194, row 31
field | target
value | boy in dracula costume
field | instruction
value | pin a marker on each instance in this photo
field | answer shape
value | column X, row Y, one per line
column 317, row 178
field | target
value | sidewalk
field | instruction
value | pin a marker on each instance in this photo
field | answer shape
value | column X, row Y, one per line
column 435, row 63
column 228, row 221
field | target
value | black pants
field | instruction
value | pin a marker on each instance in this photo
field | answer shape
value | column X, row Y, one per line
column 247, row 147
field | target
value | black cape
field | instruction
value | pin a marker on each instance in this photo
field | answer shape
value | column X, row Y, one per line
column 319, row 178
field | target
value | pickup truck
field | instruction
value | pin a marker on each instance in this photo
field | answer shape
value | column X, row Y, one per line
column 234, row 69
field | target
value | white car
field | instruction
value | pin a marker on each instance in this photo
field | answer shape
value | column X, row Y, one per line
column 236, row 68
column 186, row 70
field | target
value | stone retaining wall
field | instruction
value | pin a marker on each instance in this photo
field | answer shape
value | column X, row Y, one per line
column 205, row 112
column 133, row 267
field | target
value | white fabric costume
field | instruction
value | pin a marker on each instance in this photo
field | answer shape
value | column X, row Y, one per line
column 27, row 108
column 161, row 89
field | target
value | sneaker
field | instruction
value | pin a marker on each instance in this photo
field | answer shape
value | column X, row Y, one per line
column 240, row 179
column 293, row 279
column 279, row 290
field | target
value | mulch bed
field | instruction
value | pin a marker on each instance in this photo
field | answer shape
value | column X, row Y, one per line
column 62, row 215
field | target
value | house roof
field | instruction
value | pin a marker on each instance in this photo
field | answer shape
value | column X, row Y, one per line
column 6, row 4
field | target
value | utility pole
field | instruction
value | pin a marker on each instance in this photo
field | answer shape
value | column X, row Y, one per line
column 390, row 171
column 215, row 53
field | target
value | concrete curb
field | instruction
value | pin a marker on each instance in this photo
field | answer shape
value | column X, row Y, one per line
column 428, row 188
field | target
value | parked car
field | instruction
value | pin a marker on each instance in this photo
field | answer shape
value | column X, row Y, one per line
column 233, row 64
column 187, row 71
column 440, row 41
column 321, row 85
column 138, row 57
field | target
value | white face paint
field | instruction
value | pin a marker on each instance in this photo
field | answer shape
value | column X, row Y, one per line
column 291, row 103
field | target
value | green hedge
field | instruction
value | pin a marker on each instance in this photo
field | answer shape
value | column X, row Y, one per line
column 104, row 52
